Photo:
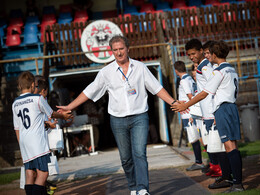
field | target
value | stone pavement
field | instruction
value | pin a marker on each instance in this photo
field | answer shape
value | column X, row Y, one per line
column 162, row 160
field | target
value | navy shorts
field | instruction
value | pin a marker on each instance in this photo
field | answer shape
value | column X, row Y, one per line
column 228, row 123
column 208, row 123
column 40, row 163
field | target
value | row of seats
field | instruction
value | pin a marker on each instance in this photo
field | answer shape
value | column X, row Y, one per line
column 30, row 30
column 165, row 6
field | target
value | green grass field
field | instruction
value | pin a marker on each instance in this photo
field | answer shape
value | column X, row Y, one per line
column 9, row 177
column 246, row 149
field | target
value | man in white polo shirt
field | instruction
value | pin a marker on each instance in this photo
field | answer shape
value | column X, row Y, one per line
column 127, row 82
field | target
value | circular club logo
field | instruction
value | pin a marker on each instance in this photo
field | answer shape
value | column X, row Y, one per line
column 95, row 37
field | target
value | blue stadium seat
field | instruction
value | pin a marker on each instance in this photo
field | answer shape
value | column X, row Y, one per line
column 130, row 10
column 197, row 3
column 32, row 20
column 30, row 38
column 162, row 6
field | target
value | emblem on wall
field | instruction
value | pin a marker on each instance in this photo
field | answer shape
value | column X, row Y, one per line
column 95, row 37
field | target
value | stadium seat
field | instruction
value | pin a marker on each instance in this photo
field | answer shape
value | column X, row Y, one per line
column 48, row 10
column 138, row 3
column 162, row 6
column 32, row 20
column 16, row 22
column 147, row 8
column 179, row 4
column 65, row 15
column 197, row 3
column 212, row 2
column 13, row 40
column 30, row 28
column 48, row 19
column 30, row 38
column 80, row 16
column 14, row 30
column 130, row 9
column 66, row 8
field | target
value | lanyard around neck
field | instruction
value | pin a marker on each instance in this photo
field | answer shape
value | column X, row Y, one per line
column 124, row 76
column 123, row 73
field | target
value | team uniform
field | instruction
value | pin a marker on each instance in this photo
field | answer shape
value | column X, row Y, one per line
column 224, row 86
column 29, row 114
column 186, row 87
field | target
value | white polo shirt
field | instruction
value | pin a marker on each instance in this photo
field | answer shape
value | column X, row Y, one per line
column 125, row 97
column 204, row 72
column 186, row 87
column 223, row 85
column 28, row 117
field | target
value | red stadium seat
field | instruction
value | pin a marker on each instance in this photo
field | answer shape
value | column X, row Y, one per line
column 11, row 30
column 138, row 3
column 147, row 7
column 81, row 15
column 16, row 22
column 66, row 8
column 179, row 4
column 212, row 2
column 13, row 40
column 49, row 19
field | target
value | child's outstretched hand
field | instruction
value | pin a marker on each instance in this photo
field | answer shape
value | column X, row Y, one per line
column 67, row 115
column 51, row 124
column 180, row 107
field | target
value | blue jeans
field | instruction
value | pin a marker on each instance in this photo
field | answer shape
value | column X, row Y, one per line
column 131, row 136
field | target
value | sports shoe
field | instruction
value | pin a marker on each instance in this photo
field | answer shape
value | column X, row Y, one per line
column 133, row 192
column 143, row 192
column 235, row 188
column 206, row 169
column 220, row 183
column 195, row 166
column 214, row 170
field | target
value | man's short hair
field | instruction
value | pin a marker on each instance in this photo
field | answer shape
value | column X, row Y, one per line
column 220, row 49
column 39, row 77
column 208, row 44
column 118, row 38
column 42, row 84
column 25, row 80
column 193, row 44
column 180, row 66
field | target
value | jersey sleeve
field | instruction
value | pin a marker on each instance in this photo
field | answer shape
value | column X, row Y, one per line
column 207, row 72
column 214, row 82
column 15, row 120
column 44, row 107
column 186, row 87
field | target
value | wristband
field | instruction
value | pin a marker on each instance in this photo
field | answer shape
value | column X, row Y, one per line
column 174, row 101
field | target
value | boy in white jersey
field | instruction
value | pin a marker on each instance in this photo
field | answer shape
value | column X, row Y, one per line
column 224, row 86
column 225, row 179
column 28, row 117
column 186, row 92
column 194, row 51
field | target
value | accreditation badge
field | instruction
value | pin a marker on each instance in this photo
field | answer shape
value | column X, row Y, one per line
column 131, row 91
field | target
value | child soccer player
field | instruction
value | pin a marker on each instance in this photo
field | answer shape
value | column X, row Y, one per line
column 28, row 117
column 194, row 51
column 186, row 92
column 225, row 179
column 224, row 85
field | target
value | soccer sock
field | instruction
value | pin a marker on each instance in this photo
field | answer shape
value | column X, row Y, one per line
column 28, row 189
column 39, row 190
column 197, row 151
column 236, row 165
column 213, row 158
column 224, row 164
